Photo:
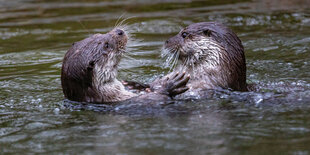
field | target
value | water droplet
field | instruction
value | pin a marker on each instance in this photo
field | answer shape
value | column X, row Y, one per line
column 56, row 111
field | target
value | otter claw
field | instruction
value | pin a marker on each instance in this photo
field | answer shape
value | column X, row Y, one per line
column 175, row 85
column 175, row 75
column 135, row 85
column 180, row 90
column 182, row 81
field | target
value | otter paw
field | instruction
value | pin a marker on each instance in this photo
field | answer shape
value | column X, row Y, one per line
column 174, row 85
column 135, row 85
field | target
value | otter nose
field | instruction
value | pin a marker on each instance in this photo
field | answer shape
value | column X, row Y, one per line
column 119, row 32
column 167, row 41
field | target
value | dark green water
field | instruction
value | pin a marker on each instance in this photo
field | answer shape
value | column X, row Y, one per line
column 35, row 34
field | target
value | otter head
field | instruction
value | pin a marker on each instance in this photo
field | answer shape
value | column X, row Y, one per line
column 211, row 51
column 90, row 63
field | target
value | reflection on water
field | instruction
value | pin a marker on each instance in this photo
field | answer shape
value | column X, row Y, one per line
column 34, row 35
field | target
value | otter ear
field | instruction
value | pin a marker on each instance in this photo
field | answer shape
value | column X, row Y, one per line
column 207, row 32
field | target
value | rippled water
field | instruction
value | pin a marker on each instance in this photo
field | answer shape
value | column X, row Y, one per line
column 35, row 34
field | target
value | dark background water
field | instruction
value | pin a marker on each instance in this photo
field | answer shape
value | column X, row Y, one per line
column 35, row 34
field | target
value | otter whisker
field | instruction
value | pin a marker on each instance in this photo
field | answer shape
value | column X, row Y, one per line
column 121, row 22
column 129, row 57
column 180, row 27
column 84, row 27
column 169, row 59
column 172, row 61
column 168, row 56
column 165, row 52
column 124, row 27
column 174, row 64
column 116, row 23
column 172, row 56
column 121, row 51
column 184, row 64
column 125, row 20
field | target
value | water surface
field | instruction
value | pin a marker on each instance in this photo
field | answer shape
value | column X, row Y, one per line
column 35, row 34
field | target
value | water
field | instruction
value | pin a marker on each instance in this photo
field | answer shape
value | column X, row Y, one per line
column 34, row 35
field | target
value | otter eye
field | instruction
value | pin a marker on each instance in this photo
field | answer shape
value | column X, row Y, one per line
column 184, row 34
column 106, row 45
column 207, row 32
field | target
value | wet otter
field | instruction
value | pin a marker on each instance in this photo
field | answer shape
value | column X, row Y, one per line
column 211, row 53
column 89, row 71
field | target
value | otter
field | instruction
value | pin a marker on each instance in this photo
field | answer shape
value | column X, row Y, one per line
column 89, row 72
column 211, row 53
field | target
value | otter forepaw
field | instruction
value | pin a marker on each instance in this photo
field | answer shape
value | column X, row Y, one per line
column 135, row 85
column 174, row 85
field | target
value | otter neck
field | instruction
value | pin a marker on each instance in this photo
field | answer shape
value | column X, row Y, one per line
column 105, row 82
column 105, row 72
column 205, row 68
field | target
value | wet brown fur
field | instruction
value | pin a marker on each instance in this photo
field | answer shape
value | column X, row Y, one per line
column 89, row 69
column 89, row 72
column 213, row 55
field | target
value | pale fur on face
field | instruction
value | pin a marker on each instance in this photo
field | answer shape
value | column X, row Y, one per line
column 211, row 53
column 104, row 78
column 200, row 53
column 206, row 52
